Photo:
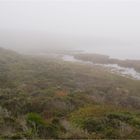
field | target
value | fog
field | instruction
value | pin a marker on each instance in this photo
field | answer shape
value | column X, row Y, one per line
column 100, row 26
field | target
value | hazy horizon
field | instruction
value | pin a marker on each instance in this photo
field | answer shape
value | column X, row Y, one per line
column 101, row 26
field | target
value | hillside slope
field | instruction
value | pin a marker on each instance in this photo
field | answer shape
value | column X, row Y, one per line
column 50, row 98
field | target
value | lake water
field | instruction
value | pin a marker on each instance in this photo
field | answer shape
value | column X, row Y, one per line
column 114, row 68
column 114, row 52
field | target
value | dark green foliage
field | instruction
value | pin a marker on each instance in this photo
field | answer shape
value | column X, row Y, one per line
column 40, row 127
column 92, row 125
column 107, row 122
column 120, row 116
column 35, row 119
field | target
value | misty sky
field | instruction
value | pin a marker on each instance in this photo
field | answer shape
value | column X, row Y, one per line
column 111, row 25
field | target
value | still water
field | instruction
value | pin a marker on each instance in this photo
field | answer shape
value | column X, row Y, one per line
column 114, row 52
column 114, row 68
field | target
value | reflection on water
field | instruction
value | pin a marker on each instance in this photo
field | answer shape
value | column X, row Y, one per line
column 114, row 68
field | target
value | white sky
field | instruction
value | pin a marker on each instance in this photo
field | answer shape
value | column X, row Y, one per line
column 115, row 19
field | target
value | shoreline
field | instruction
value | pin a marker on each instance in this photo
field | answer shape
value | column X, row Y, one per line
column 127, row 72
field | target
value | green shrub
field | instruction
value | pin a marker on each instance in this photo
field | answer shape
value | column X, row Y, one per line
column 40, row 127
column 34, row 118
column 112, row 133
column 92, row 125
column 120, row 116
column 135, row 122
